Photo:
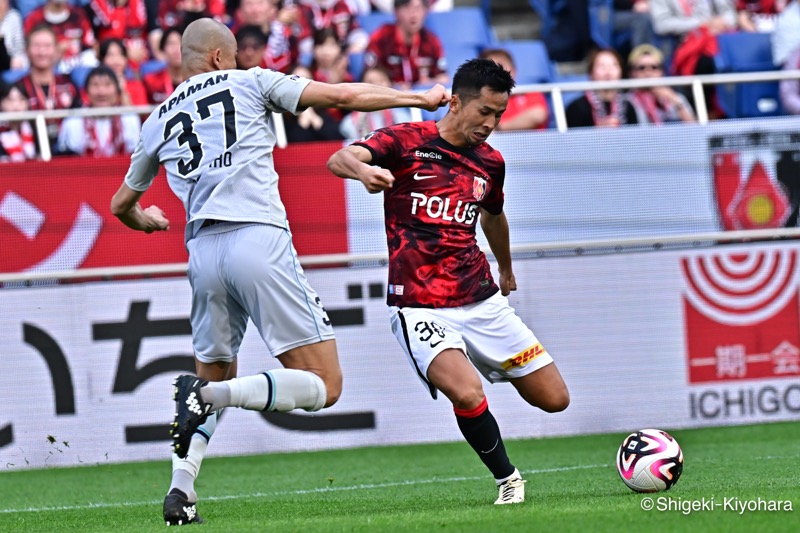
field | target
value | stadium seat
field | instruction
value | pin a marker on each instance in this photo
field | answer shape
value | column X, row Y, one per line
column 457, row 54
column 462, row 25
column 746, row 52
column 355, row 65
column 13, row 76
column 78, row 75
column 531, row 60
column 372, row 21
column 151, row 66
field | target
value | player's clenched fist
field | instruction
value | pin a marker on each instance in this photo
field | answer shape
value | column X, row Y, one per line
column 436, row 97
column 157, row 220
column 376, row 179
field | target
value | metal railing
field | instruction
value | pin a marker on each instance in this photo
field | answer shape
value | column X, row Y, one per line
column 537, row 249
column 556, row 90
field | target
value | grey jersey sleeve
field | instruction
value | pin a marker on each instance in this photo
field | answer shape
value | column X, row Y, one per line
column 281, row 93
column 143, row 169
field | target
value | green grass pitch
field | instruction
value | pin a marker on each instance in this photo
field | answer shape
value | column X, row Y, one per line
column 572, row 486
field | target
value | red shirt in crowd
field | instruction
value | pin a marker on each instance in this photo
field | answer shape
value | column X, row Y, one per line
column 74, row 34
column 517, row 103
column 119, row 22
column 423, row 59
column 340, row 17
column 158, row 85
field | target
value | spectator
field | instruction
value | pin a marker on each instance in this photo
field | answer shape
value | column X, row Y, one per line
column 252, row 44
column 758, row 15
column 45, row 89
column 72, row 28
column 359, row 123
column 114, row 55
column 633, row 16
column 312, row 124
column 330, row 64
column 786, row 35
column 180, row 13
column 277, row 24
column 335, row 15
column 407, row 50
column 603, row 108
column 656, row 105
column 526, row 111
column 100, row 136
column 790, row 89
column 13, row 35
column 17, row 142
column 125, row 20
column 387, row 6
column 160, row 84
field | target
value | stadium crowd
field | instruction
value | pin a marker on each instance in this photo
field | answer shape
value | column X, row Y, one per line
column 55, row 54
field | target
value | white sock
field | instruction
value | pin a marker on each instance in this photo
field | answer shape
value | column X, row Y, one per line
column 282, row 390
column 185, row 471
column 516, row 474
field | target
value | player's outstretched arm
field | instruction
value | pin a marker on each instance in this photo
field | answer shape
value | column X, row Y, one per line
column 125, row 206
column 495, row 228
column 367, row 97
column 352, row 162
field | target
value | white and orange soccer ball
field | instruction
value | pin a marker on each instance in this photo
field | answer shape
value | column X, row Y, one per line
column 650, row 460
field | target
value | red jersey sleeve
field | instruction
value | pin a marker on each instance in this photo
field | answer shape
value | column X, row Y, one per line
column 383, row 145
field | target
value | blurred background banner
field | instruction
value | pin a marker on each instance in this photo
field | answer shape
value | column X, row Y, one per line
column 683, row 338
column 574, row 186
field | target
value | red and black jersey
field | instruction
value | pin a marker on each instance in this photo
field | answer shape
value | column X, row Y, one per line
column 118, row 22
column 340, row 17
column 406, row 63
column 75, row 33
column 171, row 15
column 431, row 213
column 63, row 94
column 159, row 86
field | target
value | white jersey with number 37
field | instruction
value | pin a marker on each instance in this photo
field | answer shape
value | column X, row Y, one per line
column 214, row 136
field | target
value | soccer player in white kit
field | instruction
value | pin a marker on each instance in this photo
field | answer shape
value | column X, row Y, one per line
column 214, row 137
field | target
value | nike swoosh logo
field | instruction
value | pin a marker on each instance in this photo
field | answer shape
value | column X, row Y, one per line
column 493, row 448
column 418, row 177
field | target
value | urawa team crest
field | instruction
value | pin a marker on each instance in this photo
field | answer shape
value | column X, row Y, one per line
column 756, row 179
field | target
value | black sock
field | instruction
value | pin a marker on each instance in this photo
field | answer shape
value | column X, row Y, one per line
column 482, row 433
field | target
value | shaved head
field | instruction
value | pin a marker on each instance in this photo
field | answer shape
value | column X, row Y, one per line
column 206, row 46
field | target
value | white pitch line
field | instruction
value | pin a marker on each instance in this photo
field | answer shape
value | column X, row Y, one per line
column 293, row 492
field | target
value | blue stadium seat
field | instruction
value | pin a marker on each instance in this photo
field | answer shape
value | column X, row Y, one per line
column 151, row 66
column 457, row 54
column 78, row 75
column 746, row 52
column 355, row 65
column 13, row 76
column 531, row 60
column 462, row 25
column 372, row 21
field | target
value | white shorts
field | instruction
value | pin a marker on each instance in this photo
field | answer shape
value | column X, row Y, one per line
column 240, row 271
column 490, row 333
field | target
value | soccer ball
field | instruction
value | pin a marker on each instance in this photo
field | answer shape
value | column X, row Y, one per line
column 649, row 460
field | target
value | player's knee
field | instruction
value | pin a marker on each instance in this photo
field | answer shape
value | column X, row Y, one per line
column 333, row 389
column 467, row 399
column 556, row 402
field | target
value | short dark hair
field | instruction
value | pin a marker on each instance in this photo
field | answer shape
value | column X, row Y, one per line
column 473, row 75
column 98, row 72
column 401, row 3
column 106, row 44
column 6, row 88
column 165, row 35
column 251, row 32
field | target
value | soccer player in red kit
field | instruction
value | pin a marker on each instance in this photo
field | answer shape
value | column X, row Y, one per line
column 449, row 316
